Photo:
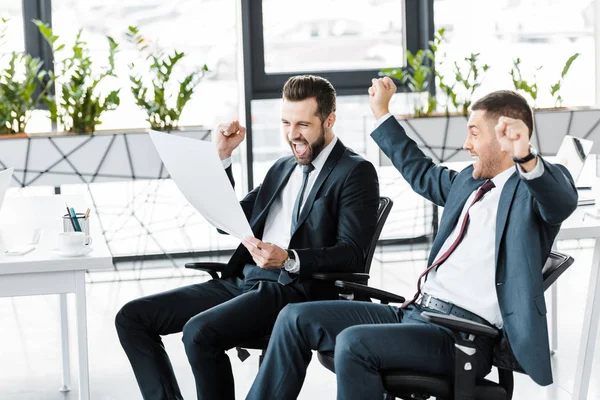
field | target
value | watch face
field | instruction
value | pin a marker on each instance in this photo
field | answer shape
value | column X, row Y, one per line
column 288, row 264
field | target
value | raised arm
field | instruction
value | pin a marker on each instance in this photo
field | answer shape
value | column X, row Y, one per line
column 425, row 177
column 227, row 137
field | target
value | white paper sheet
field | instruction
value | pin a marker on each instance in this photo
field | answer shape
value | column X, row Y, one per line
column 198, row 172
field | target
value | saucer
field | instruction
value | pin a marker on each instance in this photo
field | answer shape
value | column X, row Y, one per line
column 85, row 250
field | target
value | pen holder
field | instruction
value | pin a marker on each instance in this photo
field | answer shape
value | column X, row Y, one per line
column 84, row 223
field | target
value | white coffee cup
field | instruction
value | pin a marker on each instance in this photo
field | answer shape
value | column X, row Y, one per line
column 71, row 242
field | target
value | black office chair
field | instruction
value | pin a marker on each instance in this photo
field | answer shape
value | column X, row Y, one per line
column 213, row 269
column 406, row 384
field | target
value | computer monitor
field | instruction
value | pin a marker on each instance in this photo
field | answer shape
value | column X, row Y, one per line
column 5, row 177
column 573, row 153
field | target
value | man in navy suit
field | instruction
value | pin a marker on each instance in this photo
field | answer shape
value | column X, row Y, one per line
column 500, row 218
column 315, row 211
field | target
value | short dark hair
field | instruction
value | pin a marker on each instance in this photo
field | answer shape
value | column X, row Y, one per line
column 302, row 87
column 506, row 103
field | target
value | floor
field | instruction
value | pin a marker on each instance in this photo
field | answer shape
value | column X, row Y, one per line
column 30, row 340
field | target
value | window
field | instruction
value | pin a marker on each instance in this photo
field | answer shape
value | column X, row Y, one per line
column 541, row 33
column 331, row 35
column 204, row 30
column 13, row 29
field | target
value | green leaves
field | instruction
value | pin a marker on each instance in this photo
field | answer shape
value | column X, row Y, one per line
column 555, row 89
column 79, row 105
column 419, row 74
column 416, row 76
column 19, row 81
column 531, row 87
column 471, row 79
column 162, row 104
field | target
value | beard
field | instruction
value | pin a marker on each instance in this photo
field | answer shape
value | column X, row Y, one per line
column 486, row 169
column 314, row 149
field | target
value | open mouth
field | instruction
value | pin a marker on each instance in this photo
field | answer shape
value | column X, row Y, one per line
column 301, row 149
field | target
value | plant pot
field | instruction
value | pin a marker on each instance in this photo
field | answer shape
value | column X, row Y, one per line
column 58, row 158
column 13, row 135
column 441, row 138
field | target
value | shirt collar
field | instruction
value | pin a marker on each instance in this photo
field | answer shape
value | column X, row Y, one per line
column 324, row 155
column 500, row 179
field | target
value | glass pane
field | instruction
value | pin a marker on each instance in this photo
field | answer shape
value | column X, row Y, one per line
column 541, row 33
column 13, row 29
column 204, row 30
column 328, row 35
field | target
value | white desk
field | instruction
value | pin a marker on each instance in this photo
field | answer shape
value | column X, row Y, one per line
column 576, row 227
column 41, row 272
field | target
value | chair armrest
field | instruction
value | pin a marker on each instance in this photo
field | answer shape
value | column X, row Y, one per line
column 460, row 324
column 211, row 267
column 381, row 295
column 342, row 276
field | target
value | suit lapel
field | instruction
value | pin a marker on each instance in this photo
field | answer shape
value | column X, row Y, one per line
column 277, row 185
column 451, row 215
column 508, row 192
column 331, row 162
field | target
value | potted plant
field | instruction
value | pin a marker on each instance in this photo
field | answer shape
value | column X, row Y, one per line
column 552, row 124
column 18, row 84
column 437, row 133
column 78, row 105
column 162, row 98
column 417, row 76
column 60, row 157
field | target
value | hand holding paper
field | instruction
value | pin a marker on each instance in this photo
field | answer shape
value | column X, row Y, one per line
column 265, row 255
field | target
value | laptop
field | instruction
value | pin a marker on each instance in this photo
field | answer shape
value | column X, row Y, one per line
column 5, row 177
column 573, row 154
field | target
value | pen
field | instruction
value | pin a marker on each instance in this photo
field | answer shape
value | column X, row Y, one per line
column 87, row 214
column 75, row 222
column 70, row 217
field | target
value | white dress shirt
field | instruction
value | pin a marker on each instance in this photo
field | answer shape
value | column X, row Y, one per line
column 279, row 220
column 468, row 277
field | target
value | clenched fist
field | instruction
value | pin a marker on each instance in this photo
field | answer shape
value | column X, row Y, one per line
column 227, row 138
column 380, row 94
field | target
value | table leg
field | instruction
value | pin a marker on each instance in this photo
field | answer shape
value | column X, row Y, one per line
column 589, row 331
column 84, row 384
column 64, row 335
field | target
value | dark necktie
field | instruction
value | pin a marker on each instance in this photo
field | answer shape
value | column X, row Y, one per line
column 306, row 170
column 486, row 187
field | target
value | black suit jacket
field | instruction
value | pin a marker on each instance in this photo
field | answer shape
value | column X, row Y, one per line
column 337, row 221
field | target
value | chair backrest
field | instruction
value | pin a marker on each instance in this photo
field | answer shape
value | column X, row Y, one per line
column 556, row 264
column 385, row 206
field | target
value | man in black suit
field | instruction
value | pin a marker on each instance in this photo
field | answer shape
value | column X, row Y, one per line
column 314, row 212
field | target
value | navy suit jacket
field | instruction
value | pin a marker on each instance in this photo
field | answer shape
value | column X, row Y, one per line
column 529, row 216
column 336, row 223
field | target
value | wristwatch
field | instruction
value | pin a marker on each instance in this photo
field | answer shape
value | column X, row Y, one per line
column 532, row 154
column 290, row 263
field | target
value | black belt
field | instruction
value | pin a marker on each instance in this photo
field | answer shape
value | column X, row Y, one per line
column 432, row 303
